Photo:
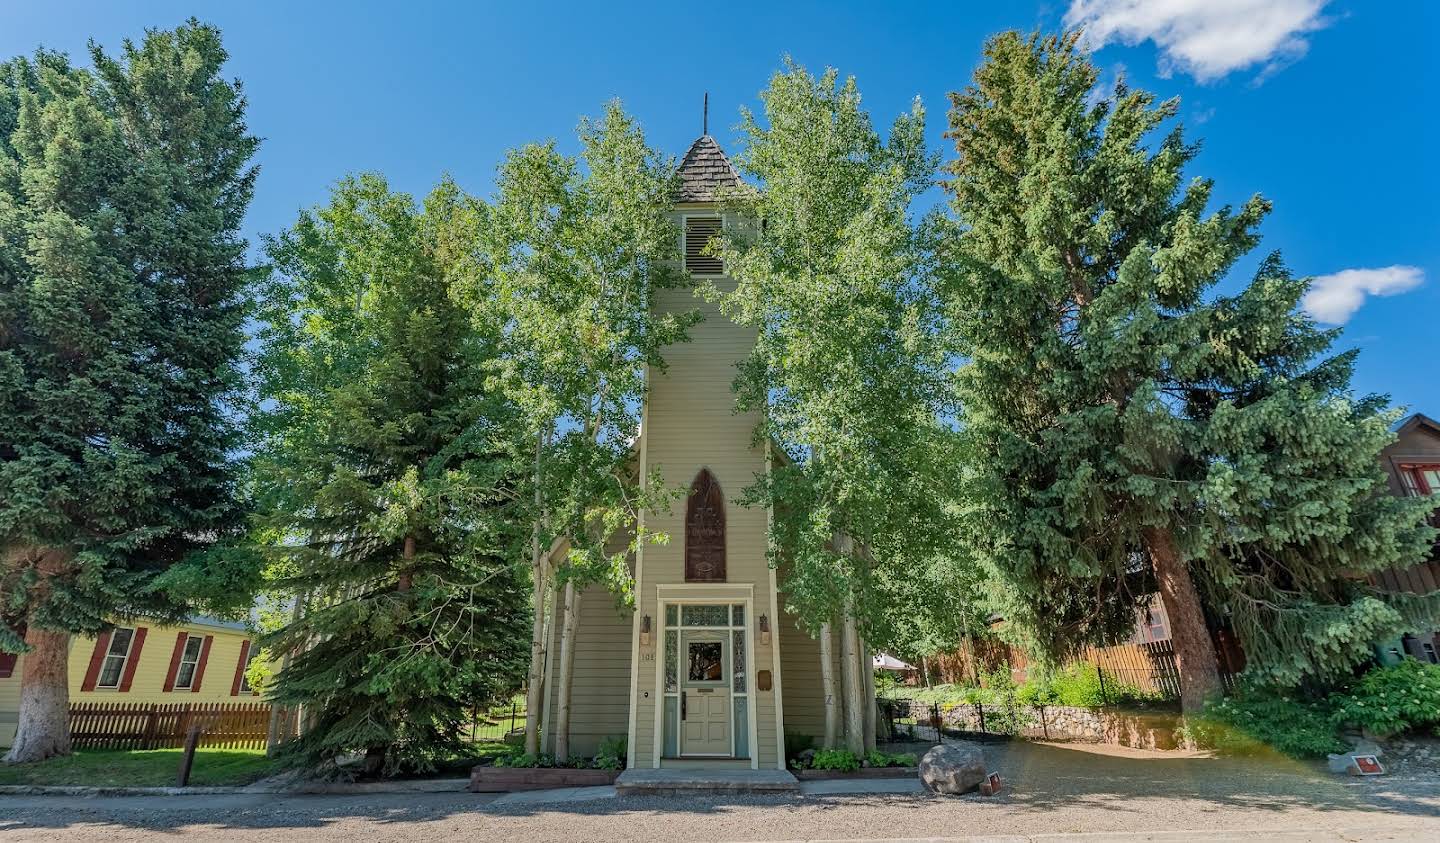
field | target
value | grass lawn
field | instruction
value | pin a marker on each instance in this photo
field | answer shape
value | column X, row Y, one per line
column 149, row 768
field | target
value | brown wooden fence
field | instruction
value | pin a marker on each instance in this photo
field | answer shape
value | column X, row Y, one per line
column 164, row 725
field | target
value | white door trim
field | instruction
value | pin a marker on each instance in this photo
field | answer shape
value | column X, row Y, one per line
column 679, row 594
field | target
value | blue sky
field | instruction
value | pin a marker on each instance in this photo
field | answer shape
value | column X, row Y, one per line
column 1327, row 108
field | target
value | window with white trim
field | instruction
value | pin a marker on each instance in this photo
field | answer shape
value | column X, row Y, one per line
column 189, row 662
column 116, row 654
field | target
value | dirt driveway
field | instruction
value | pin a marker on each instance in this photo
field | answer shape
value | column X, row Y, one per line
column 1054, row 792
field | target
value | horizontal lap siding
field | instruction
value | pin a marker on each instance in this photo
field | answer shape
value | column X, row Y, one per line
column 804, row 694
column 154, row 665
column 600, row 691
column 10, row 704
column 690, row 424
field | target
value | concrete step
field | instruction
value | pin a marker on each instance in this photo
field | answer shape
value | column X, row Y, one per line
column 674, row 782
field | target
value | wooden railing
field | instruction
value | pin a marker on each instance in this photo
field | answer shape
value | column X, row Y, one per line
column 110, row 725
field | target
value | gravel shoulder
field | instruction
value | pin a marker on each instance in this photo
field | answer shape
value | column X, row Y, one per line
column 1052, row 792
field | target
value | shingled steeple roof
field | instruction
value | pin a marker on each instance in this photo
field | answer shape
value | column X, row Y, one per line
column 706, row 174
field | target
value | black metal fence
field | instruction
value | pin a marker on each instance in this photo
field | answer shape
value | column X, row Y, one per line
column 498, row 722
column 912, row 720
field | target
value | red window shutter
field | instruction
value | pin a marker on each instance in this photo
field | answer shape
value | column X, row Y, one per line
column 97, row 658
column 136, row 647
column 7, row 665
column 200, row 668
column 175, row 662
column 240, row 668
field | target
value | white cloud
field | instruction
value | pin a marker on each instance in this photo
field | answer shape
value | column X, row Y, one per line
column 1335, row 298
column 1205, row 38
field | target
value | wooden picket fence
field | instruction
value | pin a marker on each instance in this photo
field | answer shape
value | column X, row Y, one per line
column 164, row 725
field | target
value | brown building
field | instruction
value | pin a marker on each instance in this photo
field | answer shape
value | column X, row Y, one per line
column 1413, row 463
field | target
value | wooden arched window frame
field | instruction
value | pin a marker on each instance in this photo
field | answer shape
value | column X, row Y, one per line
column 705, row 530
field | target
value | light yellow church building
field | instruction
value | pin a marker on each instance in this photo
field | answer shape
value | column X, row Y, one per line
column 707, row 670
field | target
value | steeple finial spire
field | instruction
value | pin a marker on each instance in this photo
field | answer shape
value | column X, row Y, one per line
column 705, row 116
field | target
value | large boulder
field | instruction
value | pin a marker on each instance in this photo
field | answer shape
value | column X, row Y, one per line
column 953, row 768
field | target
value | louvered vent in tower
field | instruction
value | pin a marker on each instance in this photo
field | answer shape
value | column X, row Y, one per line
column 698, row 231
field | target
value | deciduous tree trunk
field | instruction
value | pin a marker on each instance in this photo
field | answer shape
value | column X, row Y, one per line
column 44, row 730
column 543, row 565
column 567, row 669
column 850, row 674
column 828, row 686
column 1194, row 654
column 535, row 682
column 867, row 687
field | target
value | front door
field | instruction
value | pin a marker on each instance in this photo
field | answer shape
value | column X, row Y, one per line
column 705, row 693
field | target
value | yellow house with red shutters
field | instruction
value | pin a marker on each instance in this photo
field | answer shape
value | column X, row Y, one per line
column 201, row 661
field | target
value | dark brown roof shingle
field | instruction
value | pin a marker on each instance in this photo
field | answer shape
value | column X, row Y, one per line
column 705, row 173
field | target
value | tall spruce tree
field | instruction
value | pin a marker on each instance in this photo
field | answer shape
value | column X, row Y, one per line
column 1124, row 419
column 581, row 249
column 848, row 371
column 386, row 470
column 122, row 281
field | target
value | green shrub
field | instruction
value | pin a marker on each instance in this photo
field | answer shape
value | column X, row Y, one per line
column 1081, row 685
column 1260, row 717
column 835, row 759
column 876, row 758
column 797, row 743
column 612, row 753
column 1393, row 699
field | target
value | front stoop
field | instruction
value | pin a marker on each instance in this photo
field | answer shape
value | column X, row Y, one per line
column 678, row 782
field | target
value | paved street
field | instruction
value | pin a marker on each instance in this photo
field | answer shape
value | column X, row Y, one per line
column 1054, row 793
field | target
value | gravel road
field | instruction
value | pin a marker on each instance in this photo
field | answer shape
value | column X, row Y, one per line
column 1052, row 793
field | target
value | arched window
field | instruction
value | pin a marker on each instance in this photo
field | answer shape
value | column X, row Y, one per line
column 705, row 530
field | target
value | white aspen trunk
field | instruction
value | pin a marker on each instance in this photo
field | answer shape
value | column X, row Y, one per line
column 828, row 687
column 272, row 738
column 535, row 683
column 850, row 674
column 867, row 673
column 925, row 671
column 567, row 668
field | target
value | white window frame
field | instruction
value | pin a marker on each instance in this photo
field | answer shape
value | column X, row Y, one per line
column 194, row 665
column 245, row 689
column 111, row 654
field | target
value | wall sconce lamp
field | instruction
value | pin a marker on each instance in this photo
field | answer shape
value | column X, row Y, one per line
column 645, row 630
column 764, row 630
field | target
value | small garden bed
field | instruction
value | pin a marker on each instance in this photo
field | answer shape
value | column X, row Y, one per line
column 505, row 779
column 809, row 763
column 520, row 771
column 863, row 773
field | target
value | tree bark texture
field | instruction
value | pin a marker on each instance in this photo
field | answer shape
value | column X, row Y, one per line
column 850, row 674
column 1194, row 654
column 867, row 687
column 567, row 669
column 828, row 687
column 44, row 730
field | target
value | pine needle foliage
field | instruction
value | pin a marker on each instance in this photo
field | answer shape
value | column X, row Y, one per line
column 386, row 474
column 123, row 291
column 1109, row 389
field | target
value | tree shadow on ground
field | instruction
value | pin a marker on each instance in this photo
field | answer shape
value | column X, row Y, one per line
column 1045, row 784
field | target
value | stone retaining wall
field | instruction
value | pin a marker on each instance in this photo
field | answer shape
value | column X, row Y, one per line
column 1141, row 729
